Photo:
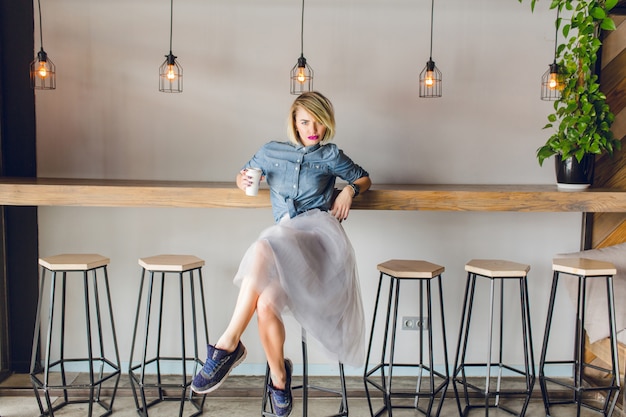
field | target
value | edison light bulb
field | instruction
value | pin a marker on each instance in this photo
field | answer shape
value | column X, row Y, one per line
column 553, row 82
column 171, row 73
column 429, row 80
column 301, row 76
column 42, row 71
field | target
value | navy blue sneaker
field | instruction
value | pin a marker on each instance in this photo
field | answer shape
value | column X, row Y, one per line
column 217, row 367
column 282, row 403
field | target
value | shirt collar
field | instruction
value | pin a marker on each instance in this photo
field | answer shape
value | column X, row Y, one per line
column 307, row 149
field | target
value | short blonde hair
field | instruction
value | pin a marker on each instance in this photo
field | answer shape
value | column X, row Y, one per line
column 320, row 107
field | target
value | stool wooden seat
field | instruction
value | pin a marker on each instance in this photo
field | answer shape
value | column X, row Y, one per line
column 407, row 268
column 584, row 267
column 74, row 262
column 497, row 268
column 430, row 384
column 485, row 395
column 146, row 374
column 171, row 263
column 101, row 357
column 582, row 394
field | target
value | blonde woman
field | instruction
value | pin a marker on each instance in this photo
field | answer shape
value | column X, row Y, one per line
column 303, row 264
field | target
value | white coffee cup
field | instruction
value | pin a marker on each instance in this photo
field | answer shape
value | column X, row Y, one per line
column 254, row 174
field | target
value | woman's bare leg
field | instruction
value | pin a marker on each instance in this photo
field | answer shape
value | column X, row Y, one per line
column 247, row 299
column 272, row 335
column 244, row 310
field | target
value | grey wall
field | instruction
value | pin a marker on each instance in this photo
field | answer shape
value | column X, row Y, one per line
column 107, row 119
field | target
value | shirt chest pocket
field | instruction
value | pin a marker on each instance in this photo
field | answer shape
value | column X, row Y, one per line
column 314, row 175
column 277, row 174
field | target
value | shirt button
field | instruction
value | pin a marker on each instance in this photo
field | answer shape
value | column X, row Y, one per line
column 294, row 186
column 297, row 168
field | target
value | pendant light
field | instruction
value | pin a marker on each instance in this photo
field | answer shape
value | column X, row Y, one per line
column 301, row 73
column 42, row 69
column 552, row 79
column 170, row 71
column 430, row 77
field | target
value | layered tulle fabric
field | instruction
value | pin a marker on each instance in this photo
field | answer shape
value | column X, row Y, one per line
column 307, row 266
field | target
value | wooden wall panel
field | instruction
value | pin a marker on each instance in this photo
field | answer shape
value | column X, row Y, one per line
column 610, row 228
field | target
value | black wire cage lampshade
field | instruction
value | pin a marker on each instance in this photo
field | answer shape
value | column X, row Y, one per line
column 170, row 71
column 42, row 69
column 430, row 77
column 552, row 80
column 552, row 83
column 170, row 75
column 430, row 80
column 301, row 73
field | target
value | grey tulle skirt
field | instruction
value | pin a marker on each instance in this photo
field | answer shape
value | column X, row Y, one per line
column 307, row 265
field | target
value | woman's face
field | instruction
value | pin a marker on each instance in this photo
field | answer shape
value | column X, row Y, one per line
column 310, row 130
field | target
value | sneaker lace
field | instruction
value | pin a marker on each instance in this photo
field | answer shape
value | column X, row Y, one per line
column 211, row 366
column 281, row 397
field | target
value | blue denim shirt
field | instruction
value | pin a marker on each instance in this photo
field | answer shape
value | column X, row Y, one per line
column 303, row 178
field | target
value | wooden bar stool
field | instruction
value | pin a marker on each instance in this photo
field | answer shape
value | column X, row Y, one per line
column 487, row 395
column 150, row 374
column 102, row 357
column 341, row 392
column 582, row 395
column 430, row 384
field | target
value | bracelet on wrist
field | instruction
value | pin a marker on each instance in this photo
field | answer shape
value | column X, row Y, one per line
column 355, row 188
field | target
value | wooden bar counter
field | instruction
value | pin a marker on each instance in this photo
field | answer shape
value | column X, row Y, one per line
column 150, row 193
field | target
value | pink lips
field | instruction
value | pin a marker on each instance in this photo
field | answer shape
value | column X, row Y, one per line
column 315, row 137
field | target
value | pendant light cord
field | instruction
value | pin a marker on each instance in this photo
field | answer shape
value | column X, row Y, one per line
column 302, row 31
column 556, row 32
column 40, row 25
column 432, row 7
column 171, row 22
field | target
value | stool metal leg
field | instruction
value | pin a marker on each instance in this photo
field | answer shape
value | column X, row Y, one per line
column 305, row 376
column 383, row 386
column 578, row 349
column 138, row 407
column 445, row 376
column 429, row 368
column 489, row 346
column 544, row 346
column 34, row 359
column 459, row 362
column 183, row 356
column 139, row 382
column 266, row 404
column 392, row 348
column 529, row 359
column 96, row 376
column 380, row 375
column 198, row 405
column 577, row 387
column 616, row 380
column 306, row 385
column 367, row 373
column 499, row 391
column 89, row 342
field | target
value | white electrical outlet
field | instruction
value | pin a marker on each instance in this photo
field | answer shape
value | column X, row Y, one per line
column 414, row 323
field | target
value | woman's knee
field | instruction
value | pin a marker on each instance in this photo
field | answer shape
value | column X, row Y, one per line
column 265, row 308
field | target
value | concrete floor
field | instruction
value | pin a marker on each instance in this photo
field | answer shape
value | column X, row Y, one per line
column 246, row 407
column 241, row 396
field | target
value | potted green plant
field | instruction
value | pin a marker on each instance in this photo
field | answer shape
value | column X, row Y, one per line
column 582, row 118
